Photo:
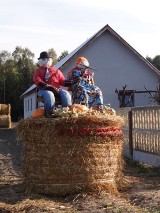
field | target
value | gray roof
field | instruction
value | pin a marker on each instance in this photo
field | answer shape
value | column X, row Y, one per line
column 75, row 52
column 29, row 90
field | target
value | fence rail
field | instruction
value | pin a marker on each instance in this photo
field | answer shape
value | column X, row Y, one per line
column 142, row 129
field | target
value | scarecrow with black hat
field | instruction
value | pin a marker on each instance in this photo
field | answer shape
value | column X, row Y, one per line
column 49, row 81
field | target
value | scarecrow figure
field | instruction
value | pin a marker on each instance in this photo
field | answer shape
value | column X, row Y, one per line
column 49, row 81
column 83, row 90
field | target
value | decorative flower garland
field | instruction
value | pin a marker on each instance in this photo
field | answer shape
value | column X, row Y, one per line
column 98, row 132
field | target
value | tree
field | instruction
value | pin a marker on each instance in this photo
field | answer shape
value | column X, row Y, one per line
column 24, row 68
column 23, row 59
column 52, row 53
column 4, row 57
column 63, row 54
column 16, row 71
column 156, row 62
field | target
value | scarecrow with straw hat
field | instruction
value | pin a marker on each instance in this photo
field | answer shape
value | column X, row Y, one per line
column 49, row 81
column 83, row 89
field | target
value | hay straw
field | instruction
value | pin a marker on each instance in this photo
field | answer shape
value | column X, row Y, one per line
column 5, row 121
column 5, row 109
column 59, row 164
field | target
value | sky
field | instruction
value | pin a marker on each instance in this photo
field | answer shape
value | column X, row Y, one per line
column 40, row 25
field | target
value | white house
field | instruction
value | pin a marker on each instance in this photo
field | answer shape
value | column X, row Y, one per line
column 117, row 63
column 29, row 100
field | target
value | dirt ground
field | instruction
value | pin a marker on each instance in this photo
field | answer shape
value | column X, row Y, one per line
column 141, row 192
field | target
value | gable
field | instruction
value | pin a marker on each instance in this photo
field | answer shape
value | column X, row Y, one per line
column 109, row 56
column 90, row 42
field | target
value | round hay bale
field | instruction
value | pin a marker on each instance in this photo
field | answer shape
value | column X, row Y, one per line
column 65, row 155
column 5, row 109
column 5, row 121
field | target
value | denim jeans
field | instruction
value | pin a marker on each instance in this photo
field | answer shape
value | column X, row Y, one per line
column 49, row 99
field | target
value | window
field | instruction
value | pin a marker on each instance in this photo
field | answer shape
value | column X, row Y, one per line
column 31, row 104
column 28, row 104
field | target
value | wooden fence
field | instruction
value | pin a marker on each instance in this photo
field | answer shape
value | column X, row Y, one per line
column 141, row 130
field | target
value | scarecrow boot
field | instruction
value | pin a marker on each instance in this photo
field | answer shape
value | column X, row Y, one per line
column 49, row 114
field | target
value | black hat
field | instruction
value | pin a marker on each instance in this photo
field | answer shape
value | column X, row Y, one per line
column 44, row 55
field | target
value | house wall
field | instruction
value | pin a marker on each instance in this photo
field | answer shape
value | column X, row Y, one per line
column 117, row 66
column 29, row 104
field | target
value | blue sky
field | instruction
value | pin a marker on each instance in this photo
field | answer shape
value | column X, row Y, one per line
column 64, row 24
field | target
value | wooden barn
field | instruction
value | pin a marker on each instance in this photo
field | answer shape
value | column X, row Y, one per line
column 118, row 66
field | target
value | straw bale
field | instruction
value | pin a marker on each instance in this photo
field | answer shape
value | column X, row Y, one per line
column 5, row 109
column 70, row 155
column 5, row 121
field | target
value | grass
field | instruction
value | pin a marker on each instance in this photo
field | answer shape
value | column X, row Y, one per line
column 141, row 169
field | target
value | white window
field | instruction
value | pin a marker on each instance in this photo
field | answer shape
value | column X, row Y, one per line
column 28, row 105
column 31, row 104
